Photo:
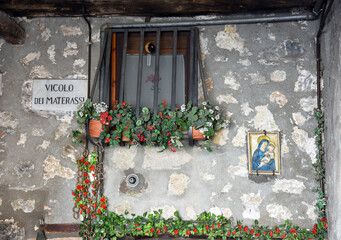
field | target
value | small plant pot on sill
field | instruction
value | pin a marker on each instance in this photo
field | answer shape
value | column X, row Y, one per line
column 197, row 135
column 124, row 138
column 95, row 128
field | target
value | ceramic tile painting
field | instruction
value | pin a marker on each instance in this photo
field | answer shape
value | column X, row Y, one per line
column 264, row 152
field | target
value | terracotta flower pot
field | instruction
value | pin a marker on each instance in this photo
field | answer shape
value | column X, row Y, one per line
column 124, row 138
column 95, row 128
column 197, row 135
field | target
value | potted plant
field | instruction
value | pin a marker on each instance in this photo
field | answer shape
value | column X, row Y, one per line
column 121, row 120
column 205, row 120
column 160, row 130
column 91, row 112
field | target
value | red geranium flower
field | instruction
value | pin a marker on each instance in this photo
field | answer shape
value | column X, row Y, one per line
column 257, row 234
column 158, row 231
column 103, row 206
column 195, row 230
column 176, row 232
column 102, row 199
column 212, row 226
column 86, row 163
column 271, row 233
column 315, row 227
column 207, row 227
column 219, row 225
column 99, row 211
column 165, row 228
column 265, row 232
column 325, row 225
column 85, row 193
column 251, row 231
column 246, row 228
column 324, row 220
column 277, row 230
column 87, row 181
column 314, row 232
column 229, row 233
column 152, row 230
column 188, row 232
column 283, row 235
column 79, row 187
column 107, row 140
column 240, row 227
column 136, row 224
column 92, row 167
column 234, row 232
column 139, row 229
column 292, row 231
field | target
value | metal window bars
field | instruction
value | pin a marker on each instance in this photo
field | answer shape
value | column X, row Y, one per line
column 194, row 64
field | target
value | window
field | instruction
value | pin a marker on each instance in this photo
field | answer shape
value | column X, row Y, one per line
column 134, row 58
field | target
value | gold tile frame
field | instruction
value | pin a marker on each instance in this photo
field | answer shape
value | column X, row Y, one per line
column 252, row 146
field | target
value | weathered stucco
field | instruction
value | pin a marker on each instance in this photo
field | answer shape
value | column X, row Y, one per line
column 331, row 65
column 262, row 75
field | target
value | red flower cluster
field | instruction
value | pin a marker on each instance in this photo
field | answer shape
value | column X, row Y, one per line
column 140, row 136
column 173, row 150
column 105, row 118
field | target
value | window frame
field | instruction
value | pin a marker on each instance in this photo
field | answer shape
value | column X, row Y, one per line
column 109, row 87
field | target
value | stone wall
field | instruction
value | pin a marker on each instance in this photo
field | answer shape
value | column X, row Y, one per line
column 331, row 62
column 262, row 75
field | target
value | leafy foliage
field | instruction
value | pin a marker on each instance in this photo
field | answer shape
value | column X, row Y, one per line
column 163, row 129
column 207, row 224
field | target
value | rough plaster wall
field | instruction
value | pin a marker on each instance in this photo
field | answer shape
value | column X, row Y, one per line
column 331, row 60
column 262, row 74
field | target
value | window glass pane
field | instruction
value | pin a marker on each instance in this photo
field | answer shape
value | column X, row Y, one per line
column 165, row 79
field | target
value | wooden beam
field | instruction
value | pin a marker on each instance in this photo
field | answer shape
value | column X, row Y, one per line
column 146, row 8
column 62, row 228
column 10, row 30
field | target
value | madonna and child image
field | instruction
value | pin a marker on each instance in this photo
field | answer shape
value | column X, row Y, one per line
column 264, row 153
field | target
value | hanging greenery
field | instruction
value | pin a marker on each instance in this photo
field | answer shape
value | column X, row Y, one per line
column 319, row 164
